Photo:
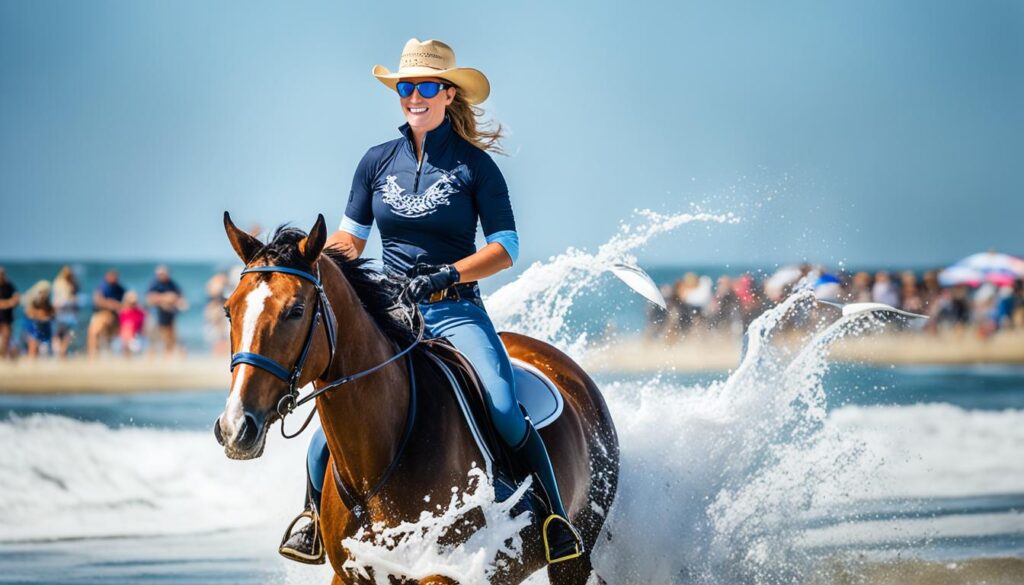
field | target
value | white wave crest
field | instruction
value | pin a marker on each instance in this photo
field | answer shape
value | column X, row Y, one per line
column 63, row 478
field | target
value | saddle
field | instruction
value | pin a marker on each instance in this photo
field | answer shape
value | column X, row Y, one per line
column 538, row 397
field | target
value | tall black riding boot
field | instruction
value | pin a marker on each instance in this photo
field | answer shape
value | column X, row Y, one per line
column 561, row 540
column 305, row 545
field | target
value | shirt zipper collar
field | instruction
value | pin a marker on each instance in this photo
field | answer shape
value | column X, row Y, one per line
column 434, row 136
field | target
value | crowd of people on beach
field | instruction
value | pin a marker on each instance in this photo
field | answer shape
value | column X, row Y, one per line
column 728, row 305
column 117, row 320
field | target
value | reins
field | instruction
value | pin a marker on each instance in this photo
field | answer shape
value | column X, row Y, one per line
column 348, row 495
column 340, row 381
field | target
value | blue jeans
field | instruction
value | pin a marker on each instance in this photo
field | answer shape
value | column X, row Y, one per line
column 470, row 330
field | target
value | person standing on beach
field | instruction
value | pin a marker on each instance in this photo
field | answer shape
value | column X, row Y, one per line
column 1017, row 317
column 165, row 297
column 9, row 299
column 215, row 328
column 860, row 288
column 39, row 314
column 106, row 302
column 65, row 303
column 132, row 319
column 884, row 290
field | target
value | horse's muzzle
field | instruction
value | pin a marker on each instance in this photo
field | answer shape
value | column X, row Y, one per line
column 247, row 441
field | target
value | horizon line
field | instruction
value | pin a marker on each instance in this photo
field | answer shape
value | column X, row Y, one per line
column 921, row 264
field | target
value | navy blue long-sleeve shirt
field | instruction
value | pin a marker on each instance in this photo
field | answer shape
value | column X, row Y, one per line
column 428, row 212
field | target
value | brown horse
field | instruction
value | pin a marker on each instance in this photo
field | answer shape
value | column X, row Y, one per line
column 365, row 421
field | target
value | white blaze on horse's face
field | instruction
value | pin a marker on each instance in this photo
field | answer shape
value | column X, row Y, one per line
column 254, row 305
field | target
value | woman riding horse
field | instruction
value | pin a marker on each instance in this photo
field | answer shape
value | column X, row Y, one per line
column 426, row 191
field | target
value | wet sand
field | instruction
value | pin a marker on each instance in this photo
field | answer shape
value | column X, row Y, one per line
column 994, row 571
column 949, row 349
column 113, row 375
column 693, row 354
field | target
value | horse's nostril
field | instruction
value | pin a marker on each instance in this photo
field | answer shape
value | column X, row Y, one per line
column 216, row 432
column 249, row 431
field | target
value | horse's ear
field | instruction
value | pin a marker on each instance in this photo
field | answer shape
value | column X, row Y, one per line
column 311, row 246
column 245, row 245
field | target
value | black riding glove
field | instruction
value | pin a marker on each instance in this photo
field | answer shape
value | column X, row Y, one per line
column 430, row 278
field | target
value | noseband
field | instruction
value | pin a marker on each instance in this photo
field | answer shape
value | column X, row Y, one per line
column 290, row 401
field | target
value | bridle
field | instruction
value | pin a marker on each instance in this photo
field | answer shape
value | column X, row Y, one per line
column 323, row 312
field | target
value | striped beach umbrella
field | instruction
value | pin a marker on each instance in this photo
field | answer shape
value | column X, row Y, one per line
column 993, row 267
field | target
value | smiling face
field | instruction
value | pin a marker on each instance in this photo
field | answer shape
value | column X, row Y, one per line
column 426, row 114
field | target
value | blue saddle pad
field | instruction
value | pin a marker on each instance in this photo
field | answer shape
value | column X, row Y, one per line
column 537, row 394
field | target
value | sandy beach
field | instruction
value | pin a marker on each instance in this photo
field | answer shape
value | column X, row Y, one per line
column 115, row 375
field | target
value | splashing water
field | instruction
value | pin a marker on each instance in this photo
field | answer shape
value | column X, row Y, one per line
column 411, row 550
column 539, row 301
column 714, row 480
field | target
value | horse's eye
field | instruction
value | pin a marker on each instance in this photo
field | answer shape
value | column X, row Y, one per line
column 227, row 313
column 295, row 312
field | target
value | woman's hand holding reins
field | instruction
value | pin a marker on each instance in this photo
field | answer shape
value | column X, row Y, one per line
column 430, row 278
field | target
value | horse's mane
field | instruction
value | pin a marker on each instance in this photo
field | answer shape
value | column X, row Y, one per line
column 379, row 293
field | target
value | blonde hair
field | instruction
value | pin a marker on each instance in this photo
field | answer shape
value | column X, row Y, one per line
column 65, row 286
column 467, row 121
column 38, row 294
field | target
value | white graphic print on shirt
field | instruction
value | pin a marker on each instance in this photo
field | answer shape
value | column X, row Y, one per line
column 417, row 205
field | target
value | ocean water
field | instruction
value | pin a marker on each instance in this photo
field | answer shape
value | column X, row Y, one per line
column 765, row 474
column 133, row 489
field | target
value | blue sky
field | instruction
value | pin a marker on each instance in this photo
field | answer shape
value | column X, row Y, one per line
column 869, row 132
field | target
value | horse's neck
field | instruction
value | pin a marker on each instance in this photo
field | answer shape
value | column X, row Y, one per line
column 364, row 419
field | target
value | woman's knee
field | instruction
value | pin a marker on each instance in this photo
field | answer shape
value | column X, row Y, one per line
column 508, row 419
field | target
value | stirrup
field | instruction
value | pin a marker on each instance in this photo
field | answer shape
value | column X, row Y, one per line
column 565, row 550
column 298, row 551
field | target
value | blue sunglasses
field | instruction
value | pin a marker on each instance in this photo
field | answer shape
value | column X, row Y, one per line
column 427, row 89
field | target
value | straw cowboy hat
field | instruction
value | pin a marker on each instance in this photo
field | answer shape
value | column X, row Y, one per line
column 433, row 58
